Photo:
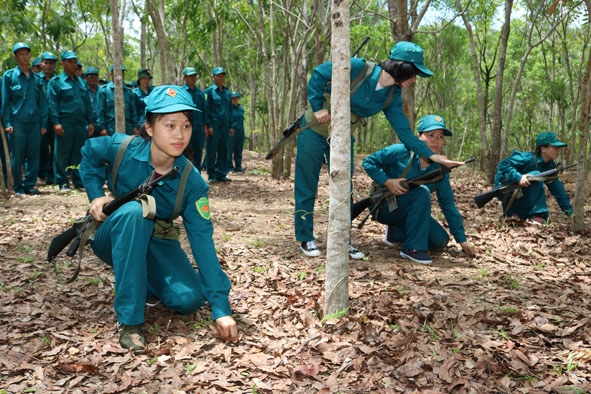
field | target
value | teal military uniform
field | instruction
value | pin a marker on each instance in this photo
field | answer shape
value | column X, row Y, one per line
column 69, row 105
column 198, row 136
column 105, row 109
column 236, row 141
column 218, row 112
column 47, row 139
column 143, row 262
column 413, row 224
column 140, row 96
column 533, row 203
column 24, row 108
column 92, row 95
column 313, row 146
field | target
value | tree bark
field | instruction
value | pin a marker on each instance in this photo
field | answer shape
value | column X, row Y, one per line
column 578, row 223
column 339, row 219
column 117, row 62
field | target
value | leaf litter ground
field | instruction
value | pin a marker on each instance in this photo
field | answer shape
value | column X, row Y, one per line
column 515, row 319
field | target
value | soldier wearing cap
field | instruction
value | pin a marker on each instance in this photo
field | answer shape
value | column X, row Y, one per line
column 236, row 141
column 198, row 136
column 48, row 65
column 149, row 263
column 143, row 89
column 532, row 206
column 218, row 113
column 36, row 65
column 105, row 108
column 70, row 113
column 91, row 78
column 24, row 116
column 380, row 89
column 411, row 222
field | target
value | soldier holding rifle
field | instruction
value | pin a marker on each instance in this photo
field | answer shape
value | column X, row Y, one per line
column 411, row 222
column 528, row 202
column 374, row 89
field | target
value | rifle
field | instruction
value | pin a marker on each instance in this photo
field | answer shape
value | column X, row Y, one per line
column 294, row 127
column 78, row 236
column 483, row 198
column 382, row 193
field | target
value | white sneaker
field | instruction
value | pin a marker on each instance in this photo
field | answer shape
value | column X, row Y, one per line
column 355, row 253
column 310, row 249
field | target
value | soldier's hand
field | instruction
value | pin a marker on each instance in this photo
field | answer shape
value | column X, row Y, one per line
column 395, row 186
column 226, row 326
column 58, row 130
column 322, row 116
column 9, row 130
column 444, row 161
column 96, row 208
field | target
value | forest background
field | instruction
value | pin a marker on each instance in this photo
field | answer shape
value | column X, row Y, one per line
column 504, row 70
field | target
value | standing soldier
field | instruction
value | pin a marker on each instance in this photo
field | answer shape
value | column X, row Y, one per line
column 218, row 111
column 91, row 78
column 105, row 108
column 144, row 88
column 236, row 142
column 198, row 136
column 48, row 64
column 24, row 115
column 71, row 116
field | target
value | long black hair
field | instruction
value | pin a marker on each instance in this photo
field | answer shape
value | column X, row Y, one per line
column 399, row 70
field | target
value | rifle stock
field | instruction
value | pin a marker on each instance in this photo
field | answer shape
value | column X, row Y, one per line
column 483, row 198
column 73, row 235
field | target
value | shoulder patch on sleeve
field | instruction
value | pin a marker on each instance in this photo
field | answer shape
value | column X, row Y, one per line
column 203, row 208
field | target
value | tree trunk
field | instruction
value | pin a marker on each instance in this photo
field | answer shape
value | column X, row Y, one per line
column 156, row 11
column 578, row 223
column 339, row 219
column 117, row 62
column 498, row 95
column 9, row 178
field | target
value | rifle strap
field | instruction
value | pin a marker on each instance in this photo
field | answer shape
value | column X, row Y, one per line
column 516, row 191
column 86, row 235
column 119, row 159
column 148, row 206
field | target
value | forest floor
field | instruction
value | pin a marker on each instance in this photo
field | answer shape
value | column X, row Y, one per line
column 514, row 319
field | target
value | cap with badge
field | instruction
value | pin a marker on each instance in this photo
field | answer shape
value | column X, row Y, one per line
column 48, row 56
column 187, row 71
column 218, row 70
column 68, row 54
column 167, row 99
column 234, row 94
column 432, row 122
column 549, row 138
column 410, row 52
column 20, row 45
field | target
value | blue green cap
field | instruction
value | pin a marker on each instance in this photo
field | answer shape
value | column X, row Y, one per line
column 432, row 122
column 68, row 54
column 122, row 68
column 410, row 52
column 235, row 94
column 167, row 99
column 218, row 70
column 36, row 61
column 20, row 45
column 91, row 70
column 548, row 138
column 189, row 71
column 48, row 56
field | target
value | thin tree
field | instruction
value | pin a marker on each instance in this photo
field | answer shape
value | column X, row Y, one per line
column 116, row 24
column 578, row 223
column 339, row 219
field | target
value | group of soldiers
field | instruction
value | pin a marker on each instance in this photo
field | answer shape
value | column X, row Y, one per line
column 47, row 118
